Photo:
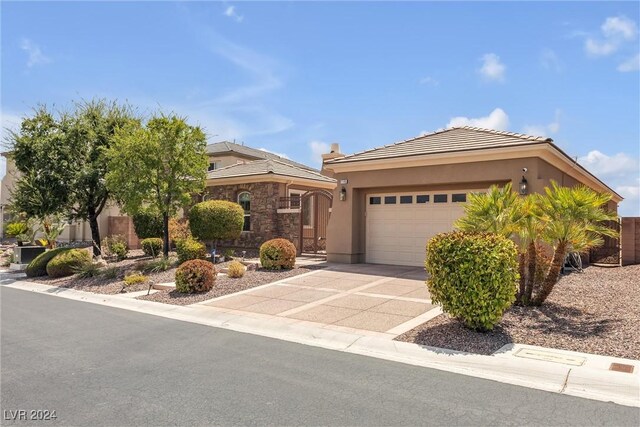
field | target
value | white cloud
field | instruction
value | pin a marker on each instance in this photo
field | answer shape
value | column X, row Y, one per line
column 318, row 148
column 630, row 206
column 544, row 130
column 34, row 53
column 492, row 69
column 273, row 152
column 549, row 60
column 428, row 80
column 615, row 31
column 603, row 165
column 631, row 64
column 231, row 12
column 497, row 119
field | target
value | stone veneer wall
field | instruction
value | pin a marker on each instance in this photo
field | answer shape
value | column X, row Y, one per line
column 266, row 222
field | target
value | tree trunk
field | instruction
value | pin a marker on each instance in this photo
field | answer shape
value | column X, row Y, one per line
column 95, row 235
column 165, row 238
column 521, row 270
column 531, row 279
column 553, row 274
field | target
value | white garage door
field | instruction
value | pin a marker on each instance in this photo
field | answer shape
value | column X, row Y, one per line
column 400, row 224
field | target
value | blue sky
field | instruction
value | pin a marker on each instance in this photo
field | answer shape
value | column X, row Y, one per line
column 294, row 77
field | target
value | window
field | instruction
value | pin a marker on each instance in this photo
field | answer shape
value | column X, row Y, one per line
column 294, row 200
column 406, row 200
column 214, row 165
column 459, row 198
column 440, row 198
column 244, row 200
column 375, row 200
column 390, row 200
column 422, row 198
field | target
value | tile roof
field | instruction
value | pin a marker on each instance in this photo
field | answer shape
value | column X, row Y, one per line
column 232, row 147
column 454, row 139
column 263, row 167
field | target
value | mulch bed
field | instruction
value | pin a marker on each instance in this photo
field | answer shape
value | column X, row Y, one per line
column 225, row 285
column 597, row 311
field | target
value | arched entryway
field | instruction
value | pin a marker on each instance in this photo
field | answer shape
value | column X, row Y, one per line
column 315, row 209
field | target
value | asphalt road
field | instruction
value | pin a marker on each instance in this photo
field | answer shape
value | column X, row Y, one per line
column 96, row 365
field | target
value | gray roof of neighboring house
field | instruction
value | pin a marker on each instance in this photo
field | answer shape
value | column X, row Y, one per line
column 263, row 167
column 232, row 147
column 464, row 138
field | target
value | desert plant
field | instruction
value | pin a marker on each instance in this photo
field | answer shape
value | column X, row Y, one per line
column 188, row 249
column 110, row 272
column 86, row 271
column 135, row 279
column 178, row 230
column 115, row 246
column 152, row 246
column 276, row 254
column 65, row 263
column 216, row 220
column 52, row 227
column 229, row 253
column 14, row 229
column 148, row 223
column 235, row 269
column 473, row 276
column 158, row 265
column 38, row 266
column 195, row 276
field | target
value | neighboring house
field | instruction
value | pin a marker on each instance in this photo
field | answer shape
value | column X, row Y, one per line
column 392, row 199
column 281, row 198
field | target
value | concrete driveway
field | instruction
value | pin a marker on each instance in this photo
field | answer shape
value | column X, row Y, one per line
column 373, row 299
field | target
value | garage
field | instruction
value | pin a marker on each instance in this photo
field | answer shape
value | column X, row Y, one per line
column 398, row 225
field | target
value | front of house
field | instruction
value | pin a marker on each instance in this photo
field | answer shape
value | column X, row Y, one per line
column 390, row 200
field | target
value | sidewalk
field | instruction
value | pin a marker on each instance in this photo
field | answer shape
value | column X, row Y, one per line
column 572, row 373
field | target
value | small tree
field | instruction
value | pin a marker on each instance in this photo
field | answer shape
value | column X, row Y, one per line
column 157, row 166
column 148, row 223
column 216, row 220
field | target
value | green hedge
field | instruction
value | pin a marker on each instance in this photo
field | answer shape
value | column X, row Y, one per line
column 38, row 266
column 276, row 254
column 66, row 263
column 216, row 220
column 147, row 224
column 195, row 276
column 473, row 276
column 190, row 248
column 152, row 246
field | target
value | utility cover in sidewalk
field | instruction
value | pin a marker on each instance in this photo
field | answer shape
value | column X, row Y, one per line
column 550, row 356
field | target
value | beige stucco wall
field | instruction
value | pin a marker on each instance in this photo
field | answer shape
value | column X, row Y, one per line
column 346, row 231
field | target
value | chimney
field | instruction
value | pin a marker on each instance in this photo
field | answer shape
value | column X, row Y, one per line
column 335, row 153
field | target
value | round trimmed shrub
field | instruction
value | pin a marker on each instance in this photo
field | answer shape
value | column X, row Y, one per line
column 473, row 276
column 66, row 263
column 190, row 248
column 115, row 246
column 151, row 246
column 276, row 254
column 196, row 275
column 148, row 223
column 216, row 220
column 38, row 266
column 235, row 270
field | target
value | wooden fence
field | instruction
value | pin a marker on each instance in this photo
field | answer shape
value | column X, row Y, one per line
column 630, row 240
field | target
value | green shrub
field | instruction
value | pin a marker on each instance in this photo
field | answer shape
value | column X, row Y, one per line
column 195, row 276
column 188, row 249
column 148, row 223
column 277, row 253
column 473, row 276
column 135, row 278
column 110, row 272
column 229, row 253
column 65, row 263
column 235, row 270
column 86, row 271
column 38, row 266
column 152, row 246
column 116, row 247
column 14, row 229
column 216, row 220
column 157, row 265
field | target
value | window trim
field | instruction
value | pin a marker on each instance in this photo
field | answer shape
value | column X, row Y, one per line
column 293, row 191
column 247, row 213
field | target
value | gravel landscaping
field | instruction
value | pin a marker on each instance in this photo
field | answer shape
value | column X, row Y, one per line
column 597, row 311
column 225, row 285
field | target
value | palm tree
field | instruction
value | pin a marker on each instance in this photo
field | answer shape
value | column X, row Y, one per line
column 573, row 220
column 496, row 211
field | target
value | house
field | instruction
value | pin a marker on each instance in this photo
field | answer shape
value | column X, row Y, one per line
column 280, row 197
column 390, row 200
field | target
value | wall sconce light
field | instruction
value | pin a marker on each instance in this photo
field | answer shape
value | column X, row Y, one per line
column 343, row 194
column 524, row 186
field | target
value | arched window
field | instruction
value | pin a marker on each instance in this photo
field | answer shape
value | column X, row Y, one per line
column 244, row 200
